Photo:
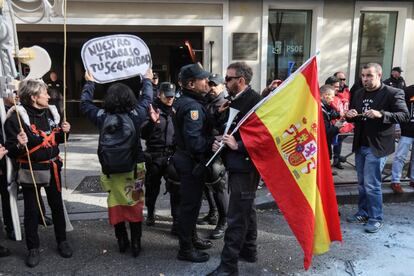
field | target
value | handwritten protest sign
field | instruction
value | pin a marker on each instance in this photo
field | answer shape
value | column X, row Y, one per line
column 116, row 57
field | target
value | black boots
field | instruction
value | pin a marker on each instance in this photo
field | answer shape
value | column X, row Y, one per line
column 193, row 255
column 218, row 232
column 33, row 257
column 222, row 271
column 200, row 243
column 150, row 217
column 4, row 252
column 136, row 233
column 211, row 218
column 64, row 249
column 122, row 236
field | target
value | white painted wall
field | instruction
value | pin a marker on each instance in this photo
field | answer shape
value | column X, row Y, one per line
column 246, row 17
column 336, row 37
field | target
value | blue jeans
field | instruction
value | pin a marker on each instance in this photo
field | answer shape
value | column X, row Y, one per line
column 369, row 169
column 400, row 155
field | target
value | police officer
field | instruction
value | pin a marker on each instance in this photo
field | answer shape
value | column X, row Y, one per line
column 243, row 178
column 396, row 80
column 194, row 140
column 216, row 188
column 159, row 136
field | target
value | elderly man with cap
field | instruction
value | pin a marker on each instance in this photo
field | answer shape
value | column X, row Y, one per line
column 159, row 135
column 193, row 134
column 396, row 80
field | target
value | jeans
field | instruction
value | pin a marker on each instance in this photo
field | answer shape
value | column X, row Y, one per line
column 369, row 169
column 400, row 155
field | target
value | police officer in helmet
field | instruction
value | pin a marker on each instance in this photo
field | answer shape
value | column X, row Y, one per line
column 193, row 133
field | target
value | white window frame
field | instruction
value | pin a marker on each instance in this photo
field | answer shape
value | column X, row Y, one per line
column 317, row 23
column 401, row 42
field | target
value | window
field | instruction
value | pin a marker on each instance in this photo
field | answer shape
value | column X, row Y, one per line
column 376, row 40
column 289, row 42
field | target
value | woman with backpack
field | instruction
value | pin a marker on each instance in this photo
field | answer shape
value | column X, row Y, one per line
column 120, row 154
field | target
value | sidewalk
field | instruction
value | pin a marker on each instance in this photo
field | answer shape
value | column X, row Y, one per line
column 96, row 250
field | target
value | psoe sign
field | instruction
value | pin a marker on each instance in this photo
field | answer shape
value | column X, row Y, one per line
column 116, row 57
column 294, row 49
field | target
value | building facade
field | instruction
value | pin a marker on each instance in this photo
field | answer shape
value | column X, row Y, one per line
column 274, row 37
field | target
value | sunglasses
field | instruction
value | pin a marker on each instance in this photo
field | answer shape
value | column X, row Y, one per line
column 342, row 79
column 229, row 78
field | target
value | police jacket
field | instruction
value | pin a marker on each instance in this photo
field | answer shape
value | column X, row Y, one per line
column 239, row 160
column 138, row 115
column 407, row 129
column 159, row 136
column 397, row 83
column 193, row 128
column 379, row 132
column 36, row 123
column 212, row 109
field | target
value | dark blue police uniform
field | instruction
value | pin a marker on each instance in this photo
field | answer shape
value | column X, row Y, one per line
column 193, row 134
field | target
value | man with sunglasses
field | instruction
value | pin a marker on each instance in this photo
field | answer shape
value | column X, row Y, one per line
column 243, row 178
column 193, row 135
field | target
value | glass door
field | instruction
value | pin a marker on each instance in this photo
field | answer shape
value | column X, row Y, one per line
column 289, row 42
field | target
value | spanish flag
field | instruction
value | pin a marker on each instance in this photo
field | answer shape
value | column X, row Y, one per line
column 285, row 137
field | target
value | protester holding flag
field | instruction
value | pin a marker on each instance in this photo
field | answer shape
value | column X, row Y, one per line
column 285, row 133
column 41, row 131
column 243, row 178
column 374, row 109
column 120, row 154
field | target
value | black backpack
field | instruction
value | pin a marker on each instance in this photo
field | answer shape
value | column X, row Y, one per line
column 118, row 144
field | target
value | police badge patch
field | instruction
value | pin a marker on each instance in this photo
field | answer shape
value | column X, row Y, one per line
column 194, row 115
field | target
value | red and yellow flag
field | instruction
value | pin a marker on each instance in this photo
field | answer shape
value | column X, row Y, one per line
column 285, row 138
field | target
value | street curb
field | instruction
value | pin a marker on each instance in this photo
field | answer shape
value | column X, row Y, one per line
column 348, row 194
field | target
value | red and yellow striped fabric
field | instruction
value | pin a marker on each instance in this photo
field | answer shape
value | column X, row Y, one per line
column 286, row 140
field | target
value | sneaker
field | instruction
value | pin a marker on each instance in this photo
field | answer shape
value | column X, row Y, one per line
column 396, row 188
column 334, row 172
column 373, row 227
column 357, row 219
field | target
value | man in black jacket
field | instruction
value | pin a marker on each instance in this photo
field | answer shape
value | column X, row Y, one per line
column 160, row 146
column 374, row 109
column 243, row 178
column 395, row 80
column 193, row 134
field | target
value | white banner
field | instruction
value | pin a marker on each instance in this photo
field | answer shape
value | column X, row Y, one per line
column 116, row 57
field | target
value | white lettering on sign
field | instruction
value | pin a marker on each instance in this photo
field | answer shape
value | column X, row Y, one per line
column 116, row 57
column 293, row 49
